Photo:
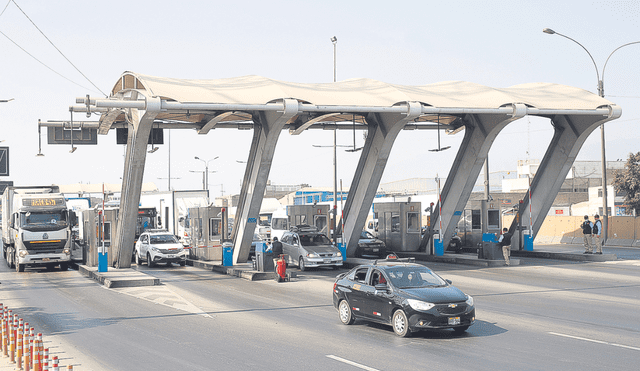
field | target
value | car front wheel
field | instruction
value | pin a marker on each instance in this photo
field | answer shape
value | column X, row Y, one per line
column 400, row 323
column 346, row 316
column 301, row 264
column 150, row 262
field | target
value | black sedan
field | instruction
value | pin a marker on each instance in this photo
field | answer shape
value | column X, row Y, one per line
column 408, row 296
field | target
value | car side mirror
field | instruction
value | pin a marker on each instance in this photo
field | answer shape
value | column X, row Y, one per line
column 381, row 287
column 449, row 282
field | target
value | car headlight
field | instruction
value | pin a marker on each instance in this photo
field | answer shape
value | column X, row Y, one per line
column 339, row 253
column 155, row 249
column 312, row 255
column 420, row 305
column 469, row 300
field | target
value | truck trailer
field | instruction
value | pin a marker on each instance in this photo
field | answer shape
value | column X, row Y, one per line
column 36, row 227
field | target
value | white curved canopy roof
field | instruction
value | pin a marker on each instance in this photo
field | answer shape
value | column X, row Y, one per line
column 359, row 92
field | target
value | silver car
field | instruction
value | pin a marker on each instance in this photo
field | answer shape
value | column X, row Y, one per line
column 306, row 247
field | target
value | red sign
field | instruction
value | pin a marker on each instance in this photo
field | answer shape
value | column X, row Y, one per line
column 559, row 212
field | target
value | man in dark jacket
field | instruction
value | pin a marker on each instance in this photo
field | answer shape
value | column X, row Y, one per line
column 587, row 227
column 505, row 242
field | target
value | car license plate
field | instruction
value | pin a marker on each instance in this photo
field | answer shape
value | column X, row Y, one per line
column 454, row 320
column 45, row 259
column 327, row 261
column 376, row 250
column 172, row 256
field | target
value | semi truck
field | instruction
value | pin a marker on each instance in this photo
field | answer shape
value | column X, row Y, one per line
column 36, row 227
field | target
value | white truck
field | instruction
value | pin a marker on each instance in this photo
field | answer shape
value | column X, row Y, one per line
column 173, row 209
column 36, row 227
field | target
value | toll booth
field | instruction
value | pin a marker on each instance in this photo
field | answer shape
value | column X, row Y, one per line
column 91, row 234
column 399, row 225
column 209, row 229
column 314, row 215
column 480, row 217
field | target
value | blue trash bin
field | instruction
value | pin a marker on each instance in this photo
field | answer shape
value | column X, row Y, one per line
column 227, row 254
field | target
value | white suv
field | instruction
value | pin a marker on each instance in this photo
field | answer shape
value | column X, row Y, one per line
column 159, row 247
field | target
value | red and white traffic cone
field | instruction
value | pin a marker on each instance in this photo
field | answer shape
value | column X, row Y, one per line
column 55, row 363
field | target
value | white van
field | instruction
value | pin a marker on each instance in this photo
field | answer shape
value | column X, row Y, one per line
column 279, row 223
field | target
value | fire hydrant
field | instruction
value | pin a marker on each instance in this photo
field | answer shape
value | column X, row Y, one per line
column 281, row 269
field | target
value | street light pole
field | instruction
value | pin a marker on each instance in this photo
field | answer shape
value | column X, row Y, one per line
column 605, row 212
column 334, row 40
column 205, row 178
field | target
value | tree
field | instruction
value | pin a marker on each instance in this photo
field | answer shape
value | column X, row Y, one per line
column 628, row 181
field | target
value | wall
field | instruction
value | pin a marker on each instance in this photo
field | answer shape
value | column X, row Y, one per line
column 623, row 230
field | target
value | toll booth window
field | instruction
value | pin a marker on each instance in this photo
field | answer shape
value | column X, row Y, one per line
column 494, row 219
column 215, row 226
column 395, row 221
column 279, row 223
column 300, row 219
column 475, row 219
column 107, row 232
column 413, row 222
column 321, row 223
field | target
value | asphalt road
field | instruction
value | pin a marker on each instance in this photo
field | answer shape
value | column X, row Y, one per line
column 542, row 315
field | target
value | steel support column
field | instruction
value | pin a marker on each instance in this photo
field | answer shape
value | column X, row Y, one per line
column 384, row 128
column 140, row 123
column 267, row 130
column 570, row 134
column 480, row 132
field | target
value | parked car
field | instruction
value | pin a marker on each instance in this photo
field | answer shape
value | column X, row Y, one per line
column 155, row 247
column 408, row 296
column 306, row 247
column 370, row 246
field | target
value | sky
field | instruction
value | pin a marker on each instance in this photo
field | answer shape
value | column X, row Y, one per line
column 493, row 43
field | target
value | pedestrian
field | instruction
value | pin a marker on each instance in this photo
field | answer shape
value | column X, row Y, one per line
column 505, row 242
column 587, row 228
column 276, row 247
column 595, row 232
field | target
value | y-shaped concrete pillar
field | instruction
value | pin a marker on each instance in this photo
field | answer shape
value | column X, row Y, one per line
column 570, row 134
column 384, row 128
column 480, row 132
column 268, row 126
column 140, row 123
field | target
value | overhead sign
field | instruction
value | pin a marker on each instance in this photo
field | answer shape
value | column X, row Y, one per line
column 58, row 135
column 4, row 161
column 156, row 136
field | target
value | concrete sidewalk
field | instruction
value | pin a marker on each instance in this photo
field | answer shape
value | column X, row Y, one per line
column 113, row 278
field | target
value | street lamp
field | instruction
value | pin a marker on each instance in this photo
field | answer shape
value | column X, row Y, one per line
column 334, row 41
column 205, row 176
column 605, row 213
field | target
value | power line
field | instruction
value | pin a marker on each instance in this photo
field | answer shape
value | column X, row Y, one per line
column 42, row 63
column 59, row 51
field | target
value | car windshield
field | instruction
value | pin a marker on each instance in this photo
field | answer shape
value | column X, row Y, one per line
column 314, row 240
column 414, row 277
column 366, row 235
column 163, row 238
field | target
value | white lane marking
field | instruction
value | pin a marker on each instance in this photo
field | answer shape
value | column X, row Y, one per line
column 351, row 363
column 595, row 341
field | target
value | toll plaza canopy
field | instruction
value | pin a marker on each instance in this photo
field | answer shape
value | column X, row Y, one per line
column 139, row 102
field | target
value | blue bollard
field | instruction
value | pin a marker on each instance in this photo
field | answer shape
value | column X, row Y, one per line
column 343, row 250
column 103, row 262
column 227, row 254
column 528, row 242
column 438, row 247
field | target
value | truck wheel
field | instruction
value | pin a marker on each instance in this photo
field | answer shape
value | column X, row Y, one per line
column 64, row 266
column 19, row 267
